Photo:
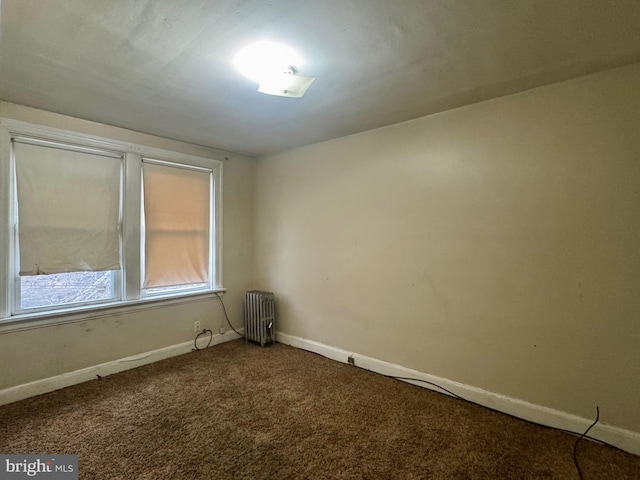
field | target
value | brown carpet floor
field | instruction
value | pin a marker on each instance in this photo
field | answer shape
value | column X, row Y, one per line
column 236, row 411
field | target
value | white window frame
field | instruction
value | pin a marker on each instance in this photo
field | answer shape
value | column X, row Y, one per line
column 129, row 284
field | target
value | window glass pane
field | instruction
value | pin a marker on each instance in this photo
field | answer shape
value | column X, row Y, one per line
column 176, row 288
column 37, row 291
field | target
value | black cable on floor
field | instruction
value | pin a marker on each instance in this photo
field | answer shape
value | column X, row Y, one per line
column 458, row 397
column 408, row 379
column 449, row 392
column 203, row 332
column 575, row 446
column 227, row 316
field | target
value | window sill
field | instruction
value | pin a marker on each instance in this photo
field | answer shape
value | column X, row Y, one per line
column 29, row 321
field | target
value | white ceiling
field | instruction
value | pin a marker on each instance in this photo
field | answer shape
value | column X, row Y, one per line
column 164, row 66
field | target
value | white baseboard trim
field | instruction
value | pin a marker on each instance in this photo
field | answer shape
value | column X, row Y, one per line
column 38, row 387
column 623, row 439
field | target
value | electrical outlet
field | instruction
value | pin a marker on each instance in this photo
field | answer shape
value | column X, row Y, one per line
column 222, row 330
column 196, row 326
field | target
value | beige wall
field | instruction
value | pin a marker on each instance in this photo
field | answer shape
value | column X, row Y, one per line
column 35, row 354
column 497, row 245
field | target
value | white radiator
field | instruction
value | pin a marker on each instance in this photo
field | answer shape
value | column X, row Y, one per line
column 259, row 317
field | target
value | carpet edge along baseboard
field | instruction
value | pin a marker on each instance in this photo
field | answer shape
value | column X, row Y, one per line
column 626, row 440
column 45, row 385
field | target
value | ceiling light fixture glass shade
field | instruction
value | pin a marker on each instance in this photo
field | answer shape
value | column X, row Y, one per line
column 272, row 66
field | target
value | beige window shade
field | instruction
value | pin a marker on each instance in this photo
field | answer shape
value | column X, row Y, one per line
column 177, row 216
column 68, row 209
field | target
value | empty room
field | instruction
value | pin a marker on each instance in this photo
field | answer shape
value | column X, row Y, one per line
column 343, row 239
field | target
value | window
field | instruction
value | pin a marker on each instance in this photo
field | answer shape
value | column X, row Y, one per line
column 67, row 223
column 91, row 223
column 177, row 227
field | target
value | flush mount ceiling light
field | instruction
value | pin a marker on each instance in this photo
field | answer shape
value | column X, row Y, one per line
column 272, row 66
